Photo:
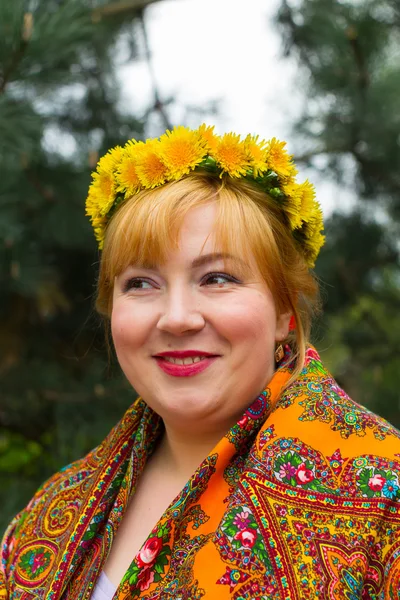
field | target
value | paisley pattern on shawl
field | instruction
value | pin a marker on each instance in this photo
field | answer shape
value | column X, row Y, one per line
column 300, row 499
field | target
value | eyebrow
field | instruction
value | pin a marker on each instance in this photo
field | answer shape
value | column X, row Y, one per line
column 205, row 259
column 208, row 258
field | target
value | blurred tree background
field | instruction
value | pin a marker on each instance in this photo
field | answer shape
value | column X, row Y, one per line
column 60, row 109
column 349, row 58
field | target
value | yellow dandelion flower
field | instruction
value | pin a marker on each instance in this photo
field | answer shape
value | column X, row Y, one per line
column 315, row 222
column 149, row 166
column 181, row 151
column 231, row 156
column 99, row 226
column 313, row 236
column 91, row 205
column 208, row 136
column 308, row 201
column 291, row 178
column 104, row 187
column 257, row 154
column 292, row 205
column 278, row 159
column 312, row 248
column 110, row 161
column 126, row 175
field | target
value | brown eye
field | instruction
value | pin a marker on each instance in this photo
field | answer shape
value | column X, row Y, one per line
column 137, row 283
column 218, row 279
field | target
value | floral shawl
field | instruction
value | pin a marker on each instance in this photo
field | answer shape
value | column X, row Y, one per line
column 299, row 500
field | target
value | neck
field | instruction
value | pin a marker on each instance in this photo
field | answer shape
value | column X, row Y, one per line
column 180, row 453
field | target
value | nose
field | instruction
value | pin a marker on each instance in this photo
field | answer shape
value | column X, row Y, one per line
column 181, row 313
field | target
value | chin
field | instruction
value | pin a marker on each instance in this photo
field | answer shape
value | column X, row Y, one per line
column 185, row 408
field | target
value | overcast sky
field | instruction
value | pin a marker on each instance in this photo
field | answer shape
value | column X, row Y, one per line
column 224, row 50
column 229, row 51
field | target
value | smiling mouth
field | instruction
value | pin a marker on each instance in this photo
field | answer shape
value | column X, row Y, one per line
column 185, row 366
column 184, row 357
column 189, row 360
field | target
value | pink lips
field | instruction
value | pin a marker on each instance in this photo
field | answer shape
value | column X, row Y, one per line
column 184, row 370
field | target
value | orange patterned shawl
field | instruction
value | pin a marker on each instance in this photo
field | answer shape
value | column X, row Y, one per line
column 299, row 500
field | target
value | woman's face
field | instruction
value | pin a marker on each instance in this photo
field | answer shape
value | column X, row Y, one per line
column 196, row 308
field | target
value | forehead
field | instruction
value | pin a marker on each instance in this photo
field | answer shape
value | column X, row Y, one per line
column 198, row 244
column 150, row 228
column 197, row 232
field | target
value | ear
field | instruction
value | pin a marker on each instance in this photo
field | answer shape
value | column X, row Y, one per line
column 282, row 326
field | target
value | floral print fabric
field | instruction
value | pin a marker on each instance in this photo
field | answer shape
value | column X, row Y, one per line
column 299, row 500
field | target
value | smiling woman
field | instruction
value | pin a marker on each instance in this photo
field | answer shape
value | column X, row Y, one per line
column 246, row 225
column 196, row 304
column 242, row 471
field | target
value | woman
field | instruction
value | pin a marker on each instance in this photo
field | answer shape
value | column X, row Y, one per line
column 243, row 471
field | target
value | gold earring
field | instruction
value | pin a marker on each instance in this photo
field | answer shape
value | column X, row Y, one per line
column 279, row 353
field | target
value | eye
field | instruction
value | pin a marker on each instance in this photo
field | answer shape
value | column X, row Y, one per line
column 218, row 279
column 137, row 283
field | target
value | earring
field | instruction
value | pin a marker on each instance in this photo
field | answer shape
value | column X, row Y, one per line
column 279, row 353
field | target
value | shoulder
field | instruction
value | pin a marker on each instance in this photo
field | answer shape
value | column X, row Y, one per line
column 23, row 531
column 57, row 504
column 318, row 439
column 68, row 477
column 317, row 399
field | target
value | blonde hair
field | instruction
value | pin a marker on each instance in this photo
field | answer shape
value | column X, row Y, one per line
column 249, row 224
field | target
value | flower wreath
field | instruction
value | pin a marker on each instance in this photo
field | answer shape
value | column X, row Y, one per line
column 123, row 172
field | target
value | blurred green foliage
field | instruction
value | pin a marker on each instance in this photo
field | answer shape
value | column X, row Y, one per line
column 349, row 58
column 59, row 110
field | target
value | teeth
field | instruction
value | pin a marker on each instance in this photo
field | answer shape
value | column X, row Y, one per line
column 184, row 361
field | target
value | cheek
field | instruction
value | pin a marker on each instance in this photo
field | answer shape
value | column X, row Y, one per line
column 126, row 329
column 249, row 320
